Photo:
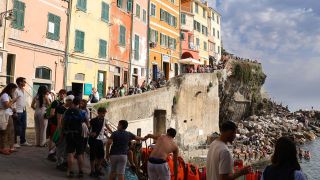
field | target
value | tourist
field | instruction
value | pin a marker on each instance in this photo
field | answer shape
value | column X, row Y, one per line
column 61, row 144
column 94, row 96
column 122, row 91
column 118, row 154
column 285, row 165
column 72, row 130
column 6, row 122
column 40, row 104
column 20, row 108
column 109, row 93
column 219, row 159
column 158, row 168
column 96, row 142
column 144, row 86
column 52, row 114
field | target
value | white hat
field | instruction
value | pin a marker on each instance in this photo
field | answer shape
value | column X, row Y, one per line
column 70, row 97
column 52, row 91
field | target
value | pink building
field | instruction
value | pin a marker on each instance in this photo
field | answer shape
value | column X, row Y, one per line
column 36, row 43
column 139, row 42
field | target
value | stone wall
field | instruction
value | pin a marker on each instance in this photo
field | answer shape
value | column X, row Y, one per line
column 189, row 103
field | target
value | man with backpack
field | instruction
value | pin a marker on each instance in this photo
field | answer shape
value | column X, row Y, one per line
column 51, row 114
column 72, row 131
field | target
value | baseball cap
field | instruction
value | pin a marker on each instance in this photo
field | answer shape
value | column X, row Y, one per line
column 70, row 97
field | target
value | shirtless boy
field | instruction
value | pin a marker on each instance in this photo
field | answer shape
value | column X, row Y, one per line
column 158, row 168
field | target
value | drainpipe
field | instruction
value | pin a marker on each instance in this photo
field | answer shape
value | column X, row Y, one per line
column 131, row 45
column 4, row 26
column 66, row 54
column 180, row 44
column 148, row 43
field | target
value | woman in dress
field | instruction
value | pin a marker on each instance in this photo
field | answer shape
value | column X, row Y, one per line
column 40, row 103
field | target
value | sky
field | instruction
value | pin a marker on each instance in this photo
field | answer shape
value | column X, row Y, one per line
column 284, row 35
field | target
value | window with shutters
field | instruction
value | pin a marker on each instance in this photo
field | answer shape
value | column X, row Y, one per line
column 183, row 19
column 213, row 32
column 129, row 6
column 119, row 3
column 205, row 46
column 153, row 10
column 43, row 73
column 102, row 48
column 168, row 18
column 204, row 12
column 196, row 7
column 122, row 36
column 79, row 41
column 144, row 16
column 218, row 34
column 198, row 43
column 18, row 12
column 138, row 11
column 154, row 35
column 82, row 5
column 105, row 12
column 53, row 31
column 136, row 47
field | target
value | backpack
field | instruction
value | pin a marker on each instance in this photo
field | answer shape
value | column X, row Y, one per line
column 72, row 120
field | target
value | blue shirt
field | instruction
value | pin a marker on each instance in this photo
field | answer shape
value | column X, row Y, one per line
column 121, row 139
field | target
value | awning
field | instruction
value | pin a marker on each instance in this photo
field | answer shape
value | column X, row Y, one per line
column 190, row 61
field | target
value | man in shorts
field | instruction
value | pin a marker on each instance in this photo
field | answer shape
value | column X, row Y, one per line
column 158, row 168
column 118, row 154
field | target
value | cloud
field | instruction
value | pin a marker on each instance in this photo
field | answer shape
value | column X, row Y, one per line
column 285, row 36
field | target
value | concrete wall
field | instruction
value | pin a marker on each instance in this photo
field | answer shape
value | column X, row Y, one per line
column 191, row 103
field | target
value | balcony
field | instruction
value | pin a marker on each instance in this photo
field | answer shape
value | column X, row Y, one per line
column 186, row 9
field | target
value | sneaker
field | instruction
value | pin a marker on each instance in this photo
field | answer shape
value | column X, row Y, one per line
column 16, row 146
column 26, row 144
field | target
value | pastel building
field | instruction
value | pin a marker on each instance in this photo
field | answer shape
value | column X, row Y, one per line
column 164, row 38
column 214, row 21
column 88, row 55
column 120, row 40
column 139, row 44
column 36, row 43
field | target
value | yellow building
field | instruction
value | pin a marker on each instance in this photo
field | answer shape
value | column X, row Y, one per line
column 87, row 65
column 164, row 38
column 200, row 26
column 215, row 42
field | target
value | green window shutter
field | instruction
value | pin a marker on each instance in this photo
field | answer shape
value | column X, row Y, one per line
column 161, row 15
column 174, row 43
column 122, row 38
column 136, row 47
column 79, row 41
column 105, row 12
column 157, row 36
column 82, row 5
column 129, row 5
column 18, row 12
column 183, row 19
column 57, row 21
column 119, row 3
column 50, row 35
column 138, row 11
column 144, row 16
column 102, row 48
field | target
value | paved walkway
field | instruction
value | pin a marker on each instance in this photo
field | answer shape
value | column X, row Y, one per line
column 30, row 163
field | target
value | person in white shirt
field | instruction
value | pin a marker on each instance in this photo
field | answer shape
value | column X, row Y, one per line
column 20, row 108
column 219, row 159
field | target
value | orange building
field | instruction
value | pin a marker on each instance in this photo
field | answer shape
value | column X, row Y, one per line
column 164, row 39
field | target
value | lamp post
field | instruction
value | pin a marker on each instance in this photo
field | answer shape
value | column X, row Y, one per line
column 6, row 15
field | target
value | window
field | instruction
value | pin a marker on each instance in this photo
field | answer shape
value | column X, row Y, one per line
column 218, row 34
column 138, row 11
column 135, row 71
column 144, row 16
column 218, row 19
column 53, row 31
column 218, row 49
column 205, row 46
column 213, row 32
column 183, row 19
column 136, row 47
column 129, row 6
column 153, row 10
column 168, row 18
column 204, row 12
column 198, row 43
column 43, row 73
column 196, row 7
column 105, row 12
column 18, row 12
column 212, row 16
column 183, row 36
column 82, row 5
column 153, row 35
column 212, row 47
column 172, row 1
column 125, row 77
column 102, row 48
column 79, row 44
column 197, row 26
column 119, row 3
column 204, row 30
column 168, row 42
column 122, row 36
column 79, row 76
